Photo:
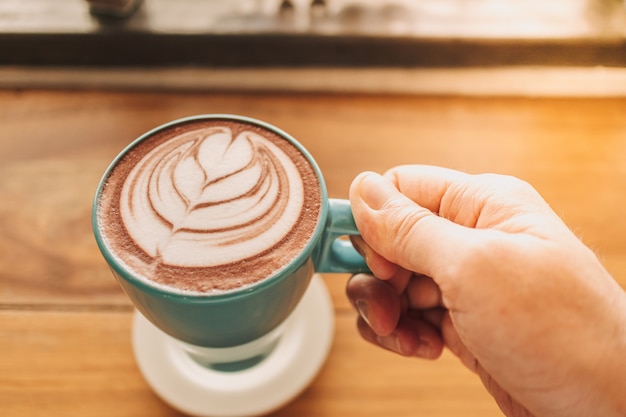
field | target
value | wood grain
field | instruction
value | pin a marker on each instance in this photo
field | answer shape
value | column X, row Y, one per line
column 81, row 364
column 64, row 323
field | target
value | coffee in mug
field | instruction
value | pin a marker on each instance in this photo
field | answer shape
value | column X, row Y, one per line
column 214, row 226
column 209, row 206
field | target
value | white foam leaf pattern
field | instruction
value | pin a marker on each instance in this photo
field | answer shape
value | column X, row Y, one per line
column 206, row 198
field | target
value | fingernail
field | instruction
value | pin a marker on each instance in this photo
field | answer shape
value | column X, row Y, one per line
column 392, row 342
column 361, row 307
column 397, row 345
column 375, row 190
column 424, row 350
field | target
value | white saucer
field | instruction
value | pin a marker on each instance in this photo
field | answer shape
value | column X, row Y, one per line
column 280, row 377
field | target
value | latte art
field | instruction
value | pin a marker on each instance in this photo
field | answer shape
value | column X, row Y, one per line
column 205, row 205
column 209, row 197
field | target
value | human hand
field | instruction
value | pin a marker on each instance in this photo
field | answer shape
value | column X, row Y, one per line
column 482, row 265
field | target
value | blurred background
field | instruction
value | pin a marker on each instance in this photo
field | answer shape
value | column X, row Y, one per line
column 203, row 37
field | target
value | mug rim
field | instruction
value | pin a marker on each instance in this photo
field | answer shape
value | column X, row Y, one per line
column 180, row 295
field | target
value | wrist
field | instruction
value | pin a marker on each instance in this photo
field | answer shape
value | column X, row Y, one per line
column 608, row 376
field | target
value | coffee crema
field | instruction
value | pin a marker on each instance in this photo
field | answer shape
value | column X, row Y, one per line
column 209, row 205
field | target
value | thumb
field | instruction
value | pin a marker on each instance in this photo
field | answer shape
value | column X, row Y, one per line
column 402, row 231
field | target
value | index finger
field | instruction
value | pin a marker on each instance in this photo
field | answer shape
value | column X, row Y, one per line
column 426, row 185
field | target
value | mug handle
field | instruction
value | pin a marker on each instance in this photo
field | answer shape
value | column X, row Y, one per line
column 334, row 254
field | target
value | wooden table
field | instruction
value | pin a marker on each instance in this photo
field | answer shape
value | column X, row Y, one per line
column 65, row 325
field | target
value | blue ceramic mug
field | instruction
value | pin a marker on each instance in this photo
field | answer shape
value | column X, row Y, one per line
column 239, row 316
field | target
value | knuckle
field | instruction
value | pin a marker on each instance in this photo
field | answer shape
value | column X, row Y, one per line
column 509, row 186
